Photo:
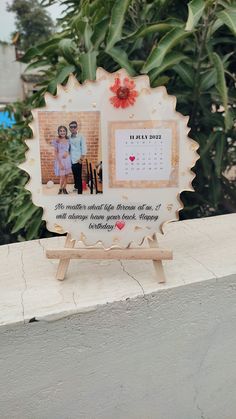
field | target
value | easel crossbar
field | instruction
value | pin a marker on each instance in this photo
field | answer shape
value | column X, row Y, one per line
column 91, row 253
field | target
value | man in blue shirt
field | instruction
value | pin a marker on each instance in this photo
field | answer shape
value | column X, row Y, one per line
column 78, row 150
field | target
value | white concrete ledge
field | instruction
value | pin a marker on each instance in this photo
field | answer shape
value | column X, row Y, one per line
column 203, row 249
column 112, row 343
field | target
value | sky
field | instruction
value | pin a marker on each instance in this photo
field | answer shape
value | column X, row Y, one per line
column 7, row 25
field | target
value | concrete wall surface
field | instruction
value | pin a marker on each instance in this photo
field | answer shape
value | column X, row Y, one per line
column 11, row 87
column 110, row 342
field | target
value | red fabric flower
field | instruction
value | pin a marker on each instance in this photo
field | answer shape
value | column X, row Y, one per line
column 125, row 95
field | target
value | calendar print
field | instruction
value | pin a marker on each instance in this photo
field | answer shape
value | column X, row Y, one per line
column 143, row 154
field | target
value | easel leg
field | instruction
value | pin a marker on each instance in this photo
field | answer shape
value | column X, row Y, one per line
column 64, row 263
column 157, row 263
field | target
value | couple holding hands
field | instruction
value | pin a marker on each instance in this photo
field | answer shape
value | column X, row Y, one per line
column 69, row 154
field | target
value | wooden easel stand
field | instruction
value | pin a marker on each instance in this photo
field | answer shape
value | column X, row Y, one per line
column 141, row 254
column 69, row 252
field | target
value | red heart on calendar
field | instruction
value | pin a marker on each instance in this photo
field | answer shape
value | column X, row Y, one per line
column 132, row 158
column 120, row 224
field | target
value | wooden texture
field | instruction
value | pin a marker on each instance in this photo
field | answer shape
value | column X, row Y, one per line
column 158, row 263
column 92, row 253
column 64, row 263
column 153, row 253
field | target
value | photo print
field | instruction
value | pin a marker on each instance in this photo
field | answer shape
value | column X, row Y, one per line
column 70, row 153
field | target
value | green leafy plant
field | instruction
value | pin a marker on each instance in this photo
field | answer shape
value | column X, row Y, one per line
column 20, row 219
column 186, row 46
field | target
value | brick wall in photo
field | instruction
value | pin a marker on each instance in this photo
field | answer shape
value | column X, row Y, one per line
column 48, row 124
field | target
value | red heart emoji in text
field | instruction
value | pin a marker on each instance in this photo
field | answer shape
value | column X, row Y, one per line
column 132, row 158
column 120, row 224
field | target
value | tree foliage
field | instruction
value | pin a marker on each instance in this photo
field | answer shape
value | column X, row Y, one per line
column 186, row 46
column 20, row 219
column 32, row 22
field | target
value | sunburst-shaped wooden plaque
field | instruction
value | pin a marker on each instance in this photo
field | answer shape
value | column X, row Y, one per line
column 131, row 147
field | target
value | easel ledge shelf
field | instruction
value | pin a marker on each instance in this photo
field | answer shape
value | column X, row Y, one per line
column 153, row 253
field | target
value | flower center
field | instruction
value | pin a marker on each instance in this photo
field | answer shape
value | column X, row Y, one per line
column 123, row 93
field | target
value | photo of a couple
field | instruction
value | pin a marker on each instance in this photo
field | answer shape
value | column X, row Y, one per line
column 70, row 150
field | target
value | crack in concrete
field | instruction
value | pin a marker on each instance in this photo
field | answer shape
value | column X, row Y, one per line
column 195, row 401
column 202, row 264
column 198, row 230
column 203, row 416
column 44, row 252
column 133, row 277
column 208, row 346
column 25, row 285
column 40, row 244
column 202, row 360
column 75, row 303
